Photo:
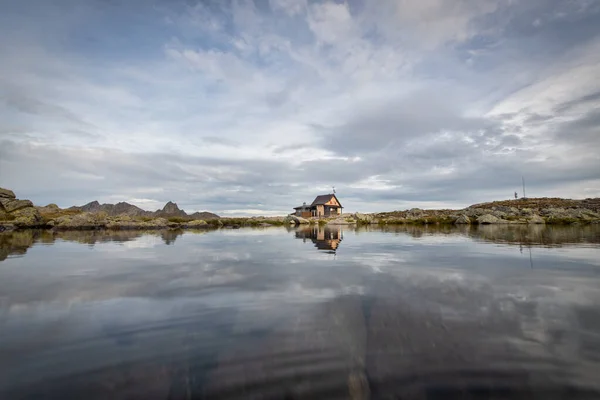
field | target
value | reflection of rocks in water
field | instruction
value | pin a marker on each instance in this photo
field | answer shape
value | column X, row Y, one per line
column 540, row 235
column 15, row 243
column 169, row 236
column 519, row 234
column 324, row 237
column 98, row 236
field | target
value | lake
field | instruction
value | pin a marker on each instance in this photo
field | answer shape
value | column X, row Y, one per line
column 322, row 313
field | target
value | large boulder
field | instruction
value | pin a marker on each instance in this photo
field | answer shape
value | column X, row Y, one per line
column 363, row 218
column 18, row 213
column 555, row 212
column 490, row 219
column 295, row 220
column 11, row 205
column 463, row 219
column 526, row 212
column 536, row 219
column 7, row 194
column 197, row 223
column 28, row 217
column 415, row 213
column 474, row 212
column 342, row 221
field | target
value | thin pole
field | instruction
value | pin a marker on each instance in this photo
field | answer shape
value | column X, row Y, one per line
column 524, row 194
column 530, row 258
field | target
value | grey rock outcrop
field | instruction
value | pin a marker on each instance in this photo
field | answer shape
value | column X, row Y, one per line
column 363, row 218
column 536, row 219
column 17, row 213
column 342, row 221
column 11, row 205
column 7, row 194
column 472, row 212
column 490, row 219
column 198, row 223
column 415, row 213
column 462, row 220
column 294, row 220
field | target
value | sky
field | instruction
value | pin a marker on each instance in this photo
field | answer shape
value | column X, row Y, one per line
column 254, row 107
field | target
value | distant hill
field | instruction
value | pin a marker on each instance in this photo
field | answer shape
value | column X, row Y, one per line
column 204, row 215
column 113, row 209
column 543, row 202
column 169, row 210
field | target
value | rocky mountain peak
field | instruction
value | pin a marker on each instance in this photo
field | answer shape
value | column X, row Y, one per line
column 93, row 206
column 171, row 209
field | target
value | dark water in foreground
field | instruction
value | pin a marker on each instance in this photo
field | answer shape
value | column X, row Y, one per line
column 411, row 313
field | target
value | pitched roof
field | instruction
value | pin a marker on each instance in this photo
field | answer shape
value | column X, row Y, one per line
column 324, row 198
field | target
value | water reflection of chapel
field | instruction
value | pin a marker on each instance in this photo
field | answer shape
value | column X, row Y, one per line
column 324, row 237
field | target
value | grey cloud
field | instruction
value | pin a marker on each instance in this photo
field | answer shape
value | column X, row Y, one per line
column 290, row 148
column 538, row 118
column 19, row 101
column 587, row 100
column 394, row 124
column 584, row 131
column 219, row 140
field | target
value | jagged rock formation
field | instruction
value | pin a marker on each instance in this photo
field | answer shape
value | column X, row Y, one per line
column 121, row 208
column 17, row 213
column 171, row 210
column 168, row 211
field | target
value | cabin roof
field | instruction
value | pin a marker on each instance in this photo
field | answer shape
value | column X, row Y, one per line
column 324, row 198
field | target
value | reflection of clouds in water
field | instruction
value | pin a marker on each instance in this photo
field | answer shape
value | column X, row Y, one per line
column 143, row 242
column 142, row 299
column 250, row 232
column 380, row 261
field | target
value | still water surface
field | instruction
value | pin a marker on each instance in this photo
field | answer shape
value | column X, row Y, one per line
column 409, row 313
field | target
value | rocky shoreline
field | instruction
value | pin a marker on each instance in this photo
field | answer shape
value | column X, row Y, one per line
column 22, row 214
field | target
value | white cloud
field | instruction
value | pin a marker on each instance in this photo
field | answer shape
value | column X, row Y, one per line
column 290, row 7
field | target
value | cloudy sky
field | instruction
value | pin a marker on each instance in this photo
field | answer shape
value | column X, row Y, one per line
column 254, row 107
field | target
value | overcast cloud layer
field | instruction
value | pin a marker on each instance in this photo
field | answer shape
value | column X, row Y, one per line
column 254, row 107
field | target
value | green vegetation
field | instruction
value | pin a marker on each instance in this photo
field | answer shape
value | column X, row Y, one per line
column 144, row 219
column 250, row 222
column 178, row 220
column 57, row 213
column 47, row 216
